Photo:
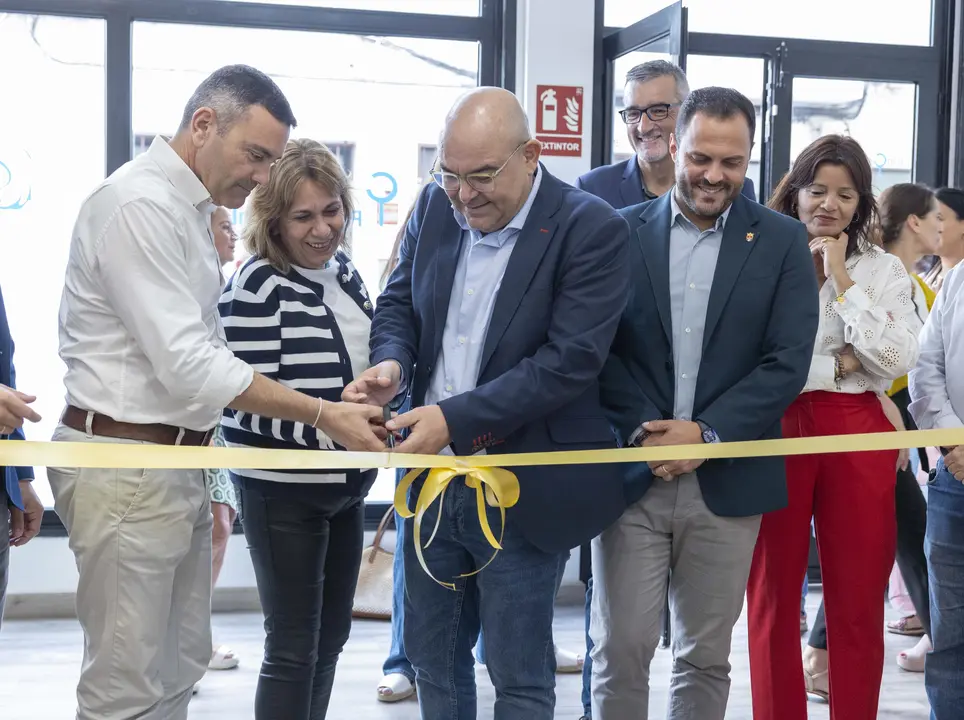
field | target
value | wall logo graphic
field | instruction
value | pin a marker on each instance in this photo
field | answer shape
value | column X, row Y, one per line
column 559, row 115
column 15, row 178
column 387, row 210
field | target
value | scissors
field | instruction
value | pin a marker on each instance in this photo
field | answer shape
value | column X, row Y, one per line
column 386, row 416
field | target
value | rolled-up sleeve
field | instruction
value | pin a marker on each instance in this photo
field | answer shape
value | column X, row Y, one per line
column 143, row 268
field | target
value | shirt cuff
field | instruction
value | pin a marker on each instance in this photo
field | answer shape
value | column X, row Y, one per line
column 229, row 377
column 823, row 373
column 855, row 301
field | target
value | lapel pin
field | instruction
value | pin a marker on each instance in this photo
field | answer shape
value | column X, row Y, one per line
column 749, row 237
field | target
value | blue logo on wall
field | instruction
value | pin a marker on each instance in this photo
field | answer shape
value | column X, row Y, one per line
column 15, row 186
column 386, row 198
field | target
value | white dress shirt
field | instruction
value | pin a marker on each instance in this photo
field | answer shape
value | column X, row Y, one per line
column 139, row 325
column 880, row 316
column 937, row 382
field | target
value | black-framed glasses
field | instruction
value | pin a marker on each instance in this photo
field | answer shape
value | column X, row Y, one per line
column 478, row 181
column 655, row 112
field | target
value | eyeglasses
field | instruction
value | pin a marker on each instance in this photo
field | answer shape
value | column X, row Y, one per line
column 478, row 181
column 656, row 112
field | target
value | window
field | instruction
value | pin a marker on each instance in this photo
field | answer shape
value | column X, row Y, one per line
column 45, row 174
column 464, row 8
column 880, row 116
column 427, row 155
column 843, row 20
column 359, row 89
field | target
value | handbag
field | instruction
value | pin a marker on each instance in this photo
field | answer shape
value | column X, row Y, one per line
column 373, row 592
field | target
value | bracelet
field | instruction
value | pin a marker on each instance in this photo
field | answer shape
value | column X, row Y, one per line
column 838, row 370
column 321, row 406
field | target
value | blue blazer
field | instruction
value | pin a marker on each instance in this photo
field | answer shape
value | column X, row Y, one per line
column 761, row 325
column 552, row 324
column 8, row 377
column 621, row 184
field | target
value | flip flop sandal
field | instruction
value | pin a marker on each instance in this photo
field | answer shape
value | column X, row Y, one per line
column 223, row 658
column 568, row 662
column 909, row 626
column 394, row 687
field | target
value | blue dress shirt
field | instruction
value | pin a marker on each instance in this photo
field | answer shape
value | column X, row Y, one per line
column 478, row 276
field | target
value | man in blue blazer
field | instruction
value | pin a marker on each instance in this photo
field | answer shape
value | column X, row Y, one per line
column 714, row 345
column 20, row 509
column 652, row 96
column 497, row 321
column 651, row 101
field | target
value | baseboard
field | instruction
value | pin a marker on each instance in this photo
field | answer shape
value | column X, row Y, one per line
column 49, row 606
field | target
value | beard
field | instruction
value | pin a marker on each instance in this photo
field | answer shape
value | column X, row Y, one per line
column 712, row 205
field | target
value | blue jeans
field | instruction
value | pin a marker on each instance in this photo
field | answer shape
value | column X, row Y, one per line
column 512, row 599
column 944, row 546
column 397, row 661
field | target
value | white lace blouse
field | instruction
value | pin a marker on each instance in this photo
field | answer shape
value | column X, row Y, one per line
column 881, row 316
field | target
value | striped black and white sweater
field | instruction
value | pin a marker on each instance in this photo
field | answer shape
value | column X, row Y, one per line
column 307, row 329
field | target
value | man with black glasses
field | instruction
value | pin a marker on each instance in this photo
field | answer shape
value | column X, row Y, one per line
column 651, row 98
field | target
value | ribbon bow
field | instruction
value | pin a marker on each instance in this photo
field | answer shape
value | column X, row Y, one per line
column 498, row 487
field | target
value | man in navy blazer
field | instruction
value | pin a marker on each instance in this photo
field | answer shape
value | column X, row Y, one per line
column 651, row 100
column 497, row 322
column 20, row 509
column 714, row 345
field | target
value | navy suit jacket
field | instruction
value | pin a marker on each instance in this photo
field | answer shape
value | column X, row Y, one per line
column 8, row 377
column 552, row 325
column 621, row 184
column 761, row 325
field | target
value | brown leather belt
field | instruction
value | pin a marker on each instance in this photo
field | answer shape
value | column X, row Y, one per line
column 103, row 426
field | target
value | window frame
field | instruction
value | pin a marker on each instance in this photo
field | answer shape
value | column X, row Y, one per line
column 494, row 29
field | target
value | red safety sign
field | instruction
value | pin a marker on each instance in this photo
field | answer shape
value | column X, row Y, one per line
column 559, row 113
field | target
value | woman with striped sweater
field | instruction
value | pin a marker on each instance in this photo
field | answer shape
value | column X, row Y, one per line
column 298, row 312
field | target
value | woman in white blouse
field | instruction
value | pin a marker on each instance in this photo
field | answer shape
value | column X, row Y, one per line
column 867, row 338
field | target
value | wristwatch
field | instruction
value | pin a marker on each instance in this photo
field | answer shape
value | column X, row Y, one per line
column 638, row 437
column 709, row 434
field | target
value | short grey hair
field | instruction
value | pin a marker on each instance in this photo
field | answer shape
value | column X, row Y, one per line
column 652, row 69
column 230, row 91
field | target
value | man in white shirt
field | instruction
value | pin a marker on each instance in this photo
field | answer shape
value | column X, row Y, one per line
column 937, row 393
column 147, row 363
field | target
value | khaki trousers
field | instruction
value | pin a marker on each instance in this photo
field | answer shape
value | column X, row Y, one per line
column 142, row 542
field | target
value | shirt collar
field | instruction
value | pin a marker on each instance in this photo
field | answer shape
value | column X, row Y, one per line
column 181, row 176
column 516, row 223
column 677, row 214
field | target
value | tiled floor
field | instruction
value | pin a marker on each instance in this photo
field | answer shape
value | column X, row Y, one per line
column 39, row 663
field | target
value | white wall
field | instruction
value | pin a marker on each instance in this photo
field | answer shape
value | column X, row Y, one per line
column 555, row 47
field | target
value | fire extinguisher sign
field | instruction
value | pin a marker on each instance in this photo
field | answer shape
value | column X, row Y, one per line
column 559, row 114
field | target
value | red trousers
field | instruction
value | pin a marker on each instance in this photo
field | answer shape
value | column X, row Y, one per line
column 851, row 499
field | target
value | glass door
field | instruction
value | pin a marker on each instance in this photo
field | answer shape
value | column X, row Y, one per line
column 889, row 105
column 660, row 35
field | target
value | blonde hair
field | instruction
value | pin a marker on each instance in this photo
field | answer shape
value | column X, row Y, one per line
column 302, row 160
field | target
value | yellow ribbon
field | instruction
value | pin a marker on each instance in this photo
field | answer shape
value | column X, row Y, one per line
column 498, row 487
column 484, row 473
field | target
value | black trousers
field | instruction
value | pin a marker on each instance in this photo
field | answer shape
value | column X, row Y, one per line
column 306, row 547
column 911, row 526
